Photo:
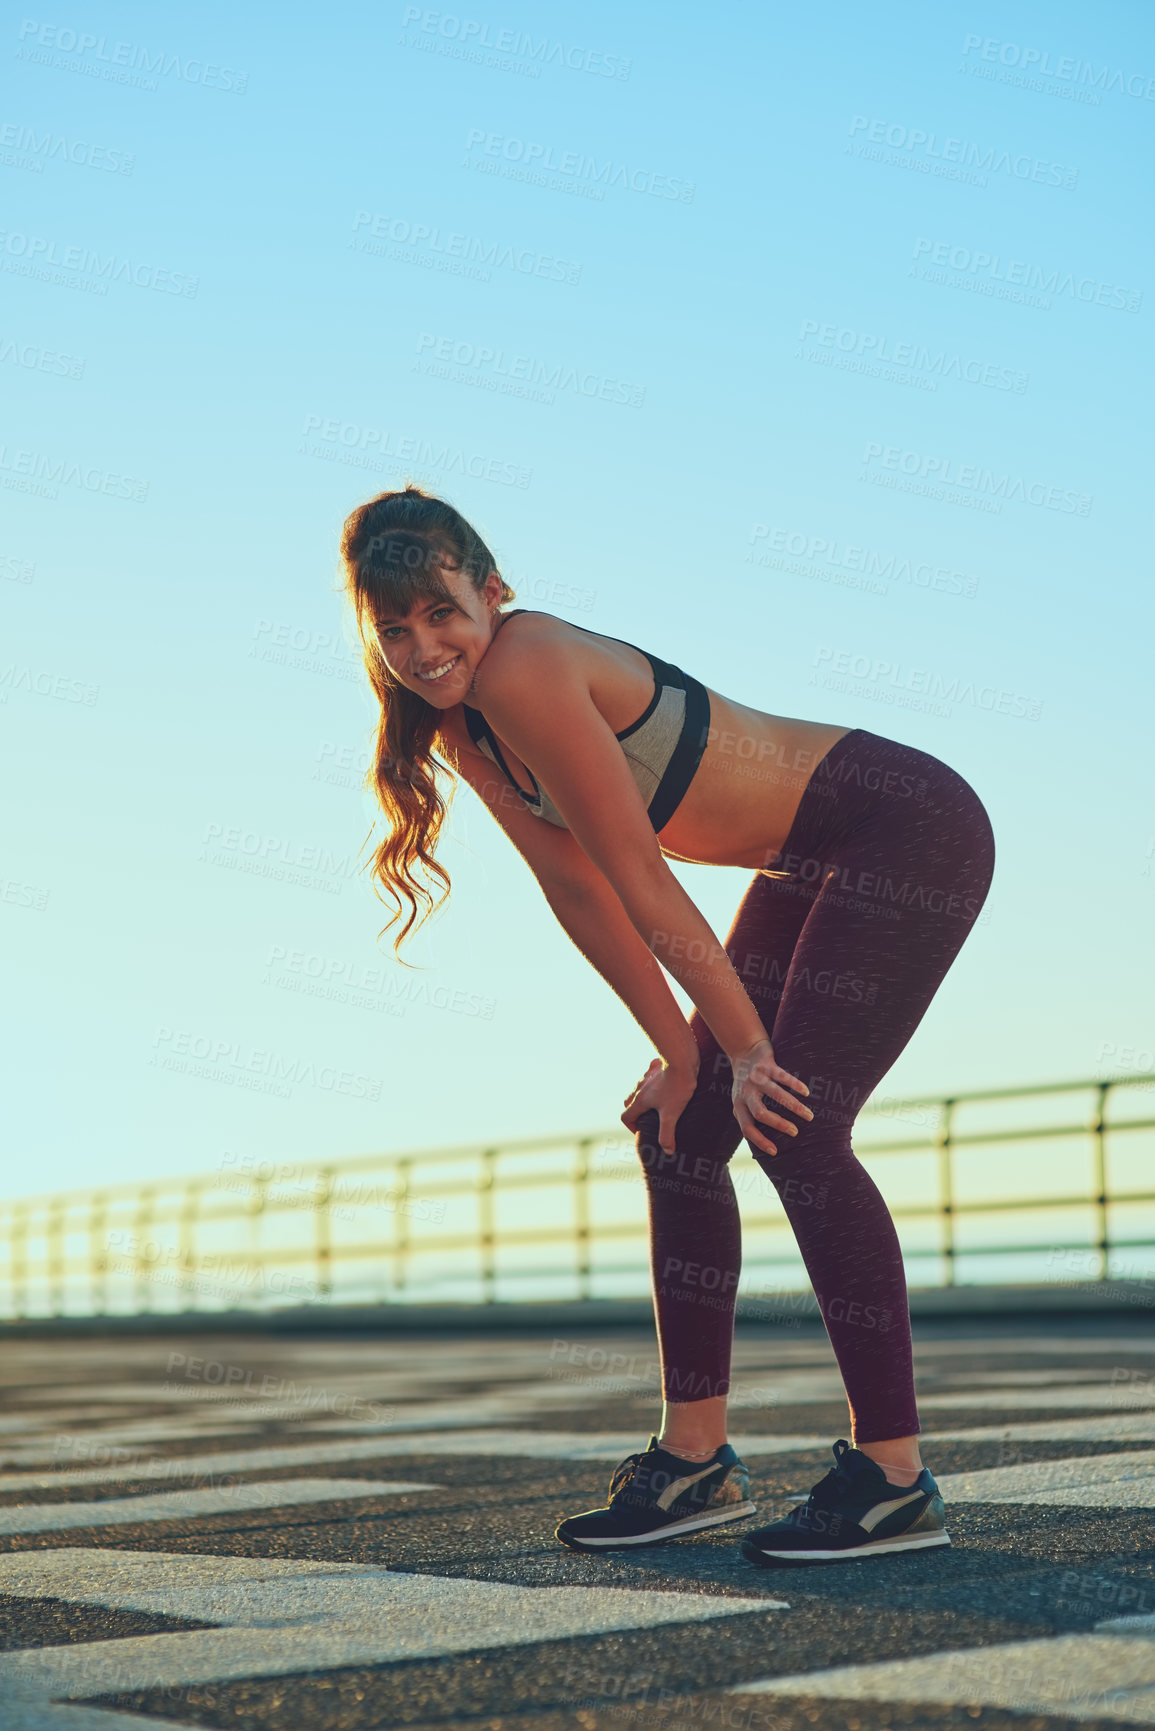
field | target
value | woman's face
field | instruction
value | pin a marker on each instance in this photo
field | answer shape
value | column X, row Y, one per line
column 435, row 649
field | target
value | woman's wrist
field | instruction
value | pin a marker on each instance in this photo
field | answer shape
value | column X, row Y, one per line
column 747, row 1052
column 683, row 1059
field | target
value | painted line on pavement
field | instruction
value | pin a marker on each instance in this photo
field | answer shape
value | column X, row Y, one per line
column 277, row 1616
column 1120, row 1481
column 1095, row 1676
column 193, row 1505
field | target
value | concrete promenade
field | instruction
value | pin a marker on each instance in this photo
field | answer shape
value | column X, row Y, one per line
column 296, row 1531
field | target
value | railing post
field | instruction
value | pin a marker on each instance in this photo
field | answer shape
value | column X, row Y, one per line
column 54, row 1235
column 946, row 1186
column 487, row 1219
column 1100, row 1129
column 19, row 1261
column 324, row 1233
column 581, row 1213
column 144, row 1213
column 98, row 1255
column 187, row 1255
column 401, row 1225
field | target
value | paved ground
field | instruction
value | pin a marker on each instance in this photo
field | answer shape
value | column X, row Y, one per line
column 333, row 1534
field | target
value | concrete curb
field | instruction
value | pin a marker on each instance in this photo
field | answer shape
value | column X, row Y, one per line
column 769, row 1310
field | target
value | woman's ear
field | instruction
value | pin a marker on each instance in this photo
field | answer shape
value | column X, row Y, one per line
column 494, row 586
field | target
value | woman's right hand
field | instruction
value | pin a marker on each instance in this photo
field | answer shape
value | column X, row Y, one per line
column 757, row 1073
column 666, row 1090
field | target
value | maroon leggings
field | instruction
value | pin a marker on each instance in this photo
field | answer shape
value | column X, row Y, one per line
column 883, row 874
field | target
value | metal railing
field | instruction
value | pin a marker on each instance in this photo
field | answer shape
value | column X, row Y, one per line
column 1013, row 1184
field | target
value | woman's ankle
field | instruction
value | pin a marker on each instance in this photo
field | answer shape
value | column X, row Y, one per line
column 693, row 1429
column 684, row 1453
column 899, row 1458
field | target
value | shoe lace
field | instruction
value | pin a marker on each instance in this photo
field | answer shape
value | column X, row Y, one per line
column 623, row 1473
column 837, row 1481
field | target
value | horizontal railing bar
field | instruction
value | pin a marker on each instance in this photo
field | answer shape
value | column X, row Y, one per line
column 978, row 1138
column 405, row 1159
column 242, row 1210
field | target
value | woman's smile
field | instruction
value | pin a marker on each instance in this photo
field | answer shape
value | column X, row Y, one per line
column 439, row 672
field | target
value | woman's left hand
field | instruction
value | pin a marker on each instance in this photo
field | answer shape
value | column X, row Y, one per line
column 760, row 1079
column 667, row 1090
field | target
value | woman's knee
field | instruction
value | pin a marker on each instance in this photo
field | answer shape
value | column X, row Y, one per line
column 705, row 1137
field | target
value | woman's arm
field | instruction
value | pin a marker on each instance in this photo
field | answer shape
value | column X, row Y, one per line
column 587, row 908
column 537, row 696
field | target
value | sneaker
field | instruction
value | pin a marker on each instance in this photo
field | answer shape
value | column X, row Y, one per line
column 854, row 1511
column 655, row 1496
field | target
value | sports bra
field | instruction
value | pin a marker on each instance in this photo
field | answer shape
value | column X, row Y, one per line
column 663, row 746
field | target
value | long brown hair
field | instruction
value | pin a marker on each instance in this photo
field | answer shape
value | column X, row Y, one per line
column 394, row 550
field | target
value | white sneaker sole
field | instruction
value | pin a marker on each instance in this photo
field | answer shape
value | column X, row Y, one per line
column 732, row 1512
column 916, row 1542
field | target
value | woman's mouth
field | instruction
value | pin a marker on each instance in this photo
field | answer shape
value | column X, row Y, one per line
column 436, row 674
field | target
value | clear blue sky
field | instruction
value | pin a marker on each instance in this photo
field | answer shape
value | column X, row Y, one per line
column 847, row 312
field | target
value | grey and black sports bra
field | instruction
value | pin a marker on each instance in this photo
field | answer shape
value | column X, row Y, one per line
column 663, row 746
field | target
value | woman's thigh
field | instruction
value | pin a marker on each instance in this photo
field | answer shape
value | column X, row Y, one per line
column 899, row 895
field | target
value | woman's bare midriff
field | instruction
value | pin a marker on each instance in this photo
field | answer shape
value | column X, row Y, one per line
column 738, row 809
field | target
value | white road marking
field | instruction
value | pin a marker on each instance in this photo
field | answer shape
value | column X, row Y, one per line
column 609, row 1446
column 1102, row 1396
column 537, row 1445
column 1126, row 1427
column 1125, row 1480
column 194, row 1504
column 1095, row 1676
column 276, row 1616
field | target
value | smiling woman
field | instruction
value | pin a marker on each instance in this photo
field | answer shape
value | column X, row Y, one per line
column 872, row 860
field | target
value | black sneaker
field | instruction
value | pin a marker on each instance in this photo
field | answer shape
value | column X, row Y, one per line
column 854, row 1511
column 655, row 1496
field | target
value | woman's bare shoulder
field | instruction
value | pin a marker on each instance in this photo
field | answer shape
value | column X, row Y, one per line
column 527, row 646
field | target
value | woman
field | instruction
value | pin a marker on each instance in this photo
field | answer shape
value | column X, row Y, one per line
column 871, row 861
